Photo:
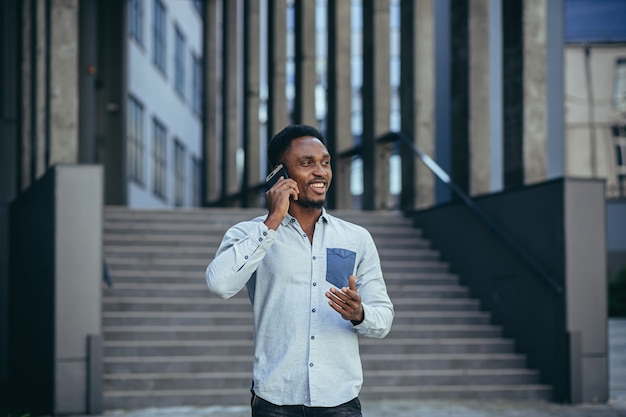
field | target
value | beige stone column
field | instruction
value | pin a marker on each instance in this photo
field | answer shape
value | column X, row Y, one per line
column 279, row 116
column 343, row 102
column 212, row 117
column 424, row 62
column 252, row 100
column 535, row 85
column 49, row 88
column 231, row 133
column 64, row 81
column 382, row 96
column 307, row 77
column 479, row 91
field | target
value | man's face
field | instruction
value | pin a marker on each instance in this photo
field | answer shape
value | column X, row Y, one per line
column 308, row 163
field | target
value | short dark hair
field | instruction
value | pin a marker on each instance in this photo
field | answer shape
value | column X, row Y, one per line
column 282, row 140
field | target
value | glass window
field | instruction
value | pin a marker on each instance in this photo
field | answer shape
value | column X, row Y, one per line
column 619, row 91
column 159, row 159
column 135, row 147
column 159, row 47
column 179, row 174
column 196, row 182
column 136, row 19
column 196, row 85
column 179, row 62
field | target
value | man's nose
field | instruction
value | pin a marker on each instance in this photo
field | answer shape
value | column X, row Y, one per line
column 319, row 169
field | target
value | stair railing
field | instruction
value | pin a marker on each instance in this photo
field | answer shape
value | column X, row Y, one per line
column 497, row 229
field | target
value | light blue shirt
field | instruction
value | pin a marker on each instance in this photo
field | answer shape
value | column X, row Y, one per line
column 305, row 352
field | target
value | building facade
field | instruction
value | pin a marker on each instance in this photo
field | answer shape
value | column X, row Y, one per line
column 164, row 108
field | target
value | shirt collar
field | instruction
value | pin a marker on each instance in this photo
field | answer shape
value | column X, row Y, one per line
column 324, row 216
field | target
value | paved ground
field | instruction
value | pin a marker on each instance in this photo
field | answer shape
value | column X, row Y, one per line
column 616, row 407
column 416, row 409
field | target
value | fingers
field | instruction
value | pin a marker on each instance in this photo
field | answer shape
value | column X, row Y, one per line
column 346, row 302
column 352, row 283
column 278, row 198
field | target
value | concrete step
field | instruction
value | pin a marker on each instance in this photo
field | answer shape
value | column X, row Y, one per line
column 519, row 392
column 232, row 379
column 153, row 318
column 124, row 275
column 244, row 331
column 242, row 363
column 122, row 289
column 241, row 303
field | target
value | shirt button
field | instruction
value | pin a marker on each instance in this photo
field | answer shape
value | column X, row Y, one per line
column 314, row 258
column 260, row 239
column 311, row 365
column 303, row 234
column 245, row 257
column 264, row 233
column 314, row 310
column 315, row 284
column 312, row 337
column 293, row 220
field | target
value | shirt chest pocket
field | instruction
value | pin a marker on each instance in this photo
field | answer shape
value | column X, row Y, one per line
column 339, row 266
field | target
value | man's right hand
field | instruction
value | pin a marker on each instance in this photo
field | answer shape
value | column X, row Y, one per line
column 278, row 201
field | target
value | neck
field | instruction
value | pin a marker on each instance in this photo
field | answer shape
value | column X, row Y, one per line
column 304, row 215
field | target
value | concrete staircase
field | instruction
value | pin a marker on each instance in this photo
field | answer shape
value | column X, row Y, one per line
column 169, row 342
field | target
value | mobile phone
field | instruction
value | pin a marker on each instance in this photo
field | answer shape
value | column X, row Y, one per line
column 274, row 176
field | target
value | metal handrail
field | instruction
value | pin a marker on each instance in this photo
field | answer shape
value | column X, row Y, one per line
column 443, row 176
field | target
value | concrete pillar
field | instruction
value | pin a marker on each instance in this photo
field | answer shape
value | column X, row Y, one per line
column 230, row 99
column 251, row 127
column 555, row 74
column 496, row 107
column 306, row 76
column 340, row 103
column 78, row 283
column 49, row 85
column 63, row 106
column 479, row 94
column 212, row 92
column 424, row 62
column 382, row 97
column 585, row 266
column 278, row 113
column 535, row 98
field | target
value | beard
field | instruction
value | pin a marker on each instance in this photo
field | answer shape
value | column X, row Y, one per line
column 310, row 204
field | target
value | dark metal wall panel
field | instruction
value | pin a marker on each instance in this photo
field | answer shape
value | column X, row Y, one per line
column 459, row 91
column 513, row 92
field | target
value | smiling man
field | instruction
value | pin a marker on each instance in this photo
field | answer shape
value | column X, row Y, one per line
column 315, row 283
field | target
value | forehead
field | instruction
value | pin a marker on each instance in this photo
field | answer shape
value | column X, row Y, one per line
column 307, row 146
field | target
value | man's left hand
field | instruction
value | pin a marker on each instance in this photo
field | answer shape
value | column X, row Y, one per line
column 347, row 302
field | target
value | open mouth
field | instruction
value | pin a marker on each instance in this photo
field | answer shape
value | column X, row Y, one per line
column 318, row 186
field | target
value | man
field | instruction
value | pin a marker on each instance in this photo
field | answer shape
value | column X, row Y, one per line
column 314, row 281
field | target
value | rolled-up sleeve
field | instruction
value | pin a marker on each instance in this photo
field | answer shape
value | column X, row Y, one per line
column 243, row 247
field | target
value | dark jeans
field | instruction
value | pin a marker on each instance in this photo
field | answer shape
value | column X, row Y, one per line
column 262, row 408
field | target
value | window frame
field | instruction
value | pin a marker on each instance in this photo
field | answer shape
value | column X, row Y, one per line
column 136, row 20
column 179, row 61
column 159, row 159
column 180, row 154
column 135, row 142
column 159, row 36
